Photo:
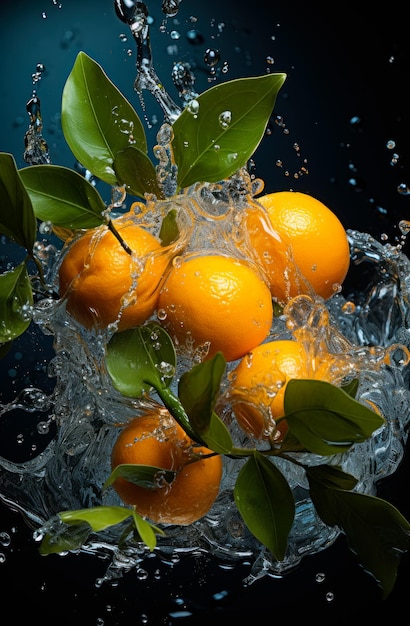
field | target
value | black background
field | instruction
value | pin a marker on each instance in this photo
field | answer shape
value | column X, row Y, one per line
column 342, row 64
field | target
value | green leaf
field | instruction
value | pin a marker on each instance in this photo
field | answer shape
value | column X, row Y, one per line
column 326, row 419
column 65, row 539
column 143, row 475
column 98, row 517
column 146, row 531
column 139, row 359
column 265, row 502
column 97, row 120
column 332, row 477
column 208, row 150
column 217, row 437
column 198, row 390
column 16, row 300
column 63, row 197
column 376, row 531
column 351, row 387
column 169, row 228
column 136, row 171
column 17, row 219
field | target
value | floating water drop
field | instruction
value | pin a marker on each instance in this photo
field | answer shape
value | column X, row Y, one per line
column 170, row 8
column 5, row 539
column 194, row 37
column 36, row 148
column 212, row 57
column 184, row 80
column 135, row 14
column 403, row 189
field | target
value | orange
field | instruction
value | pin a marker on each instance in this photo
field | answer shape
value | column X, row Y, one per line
column 309, row 252
column 258, row 383
column 157, row 439
column 102, row 283
column 215, row 303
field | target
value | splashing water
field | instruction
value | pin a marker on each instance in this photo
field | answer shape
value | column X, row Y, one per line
column 36, row 148
column 135, row 14
column 367, row 330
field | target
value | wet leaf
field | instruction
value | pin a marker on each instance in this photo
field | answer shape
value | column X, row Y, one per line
column 16, row 300
column 136, row 171
column 326, row 419
column 231, row 120
column 63, row 197
column 376, row 531
column 332, row 477
column 17, row 219
column 97, row 120
column 351, row 387
column 67, row 538
column 78, row 524
column 143, row 475
column 198, row 390
column 98, row 517
column 169, row 228
column 146, row 531
column 217, row 437
column 265, row 502
column 139, row 359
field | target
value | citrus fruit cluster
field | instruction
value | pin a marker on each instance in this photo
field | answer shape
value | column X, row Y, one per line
column 289, row 244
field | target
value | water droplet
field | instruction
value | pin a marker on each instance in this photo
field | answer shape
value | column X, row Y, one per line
column 194, row 37
column 348, row 308
column 403, row 189
column 141, row 574
column 170, row 7
column 212, row 57
column 320, row 577
column 404, row 226
column 330, row 596
column 193, row 107
column 225, row 119
column 391, row 144
column 5, row 539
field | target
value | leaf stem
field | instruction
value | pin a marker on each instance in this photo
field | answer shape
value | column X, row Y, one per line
column 176, row 409
column 116, row 234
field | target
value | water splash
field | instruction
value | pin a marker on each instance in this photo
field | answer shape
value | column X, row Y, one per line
column 135, row 14
column 184, row 80
column 36, row 148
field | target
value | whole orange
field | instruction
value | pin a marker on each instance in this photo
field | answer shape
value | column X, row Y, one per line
column 103, row 284
column 215, row 303
column 157, row 439
column 258, row 384
column 309, row 252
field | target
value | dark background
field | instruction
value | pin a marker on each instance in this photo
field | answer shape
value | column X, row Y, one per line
column 345, row 98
